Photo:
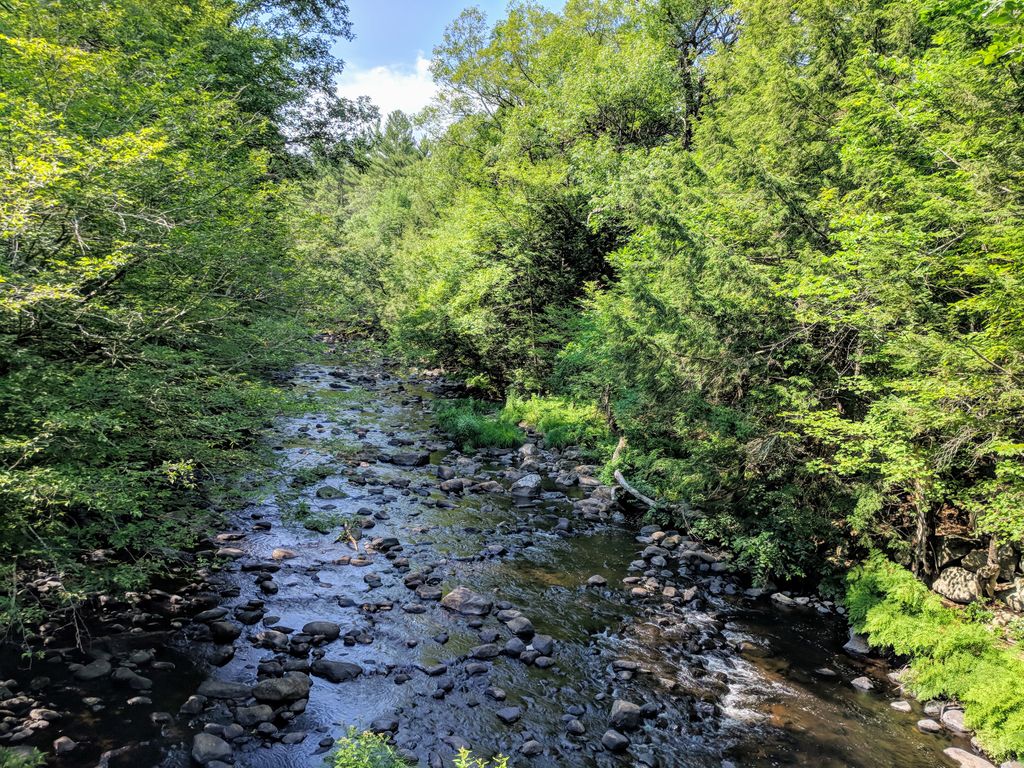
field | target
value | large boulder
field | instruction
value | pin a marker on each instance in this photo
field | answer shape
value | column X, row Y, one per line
column 977, row 559
column 957, row 584
column 951, row 549
column 467, row 602
column 1013, row 595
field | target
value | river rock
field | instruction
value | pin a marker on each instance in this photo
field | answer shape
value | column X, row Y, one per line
column 336, row 671
column 527, row 486
column 957, row 584
column 467, row 602
column 521, row 626
column 224, row 631
column 250, row 716
column 929, row 726
column 543, row 644
column 281, row 553
column 206, row 748
column 486, row 651
column 614, row 741
column 953, row 719
column 1013, row 596
column 326, row 629
column 428, row 592
column 532, row 748
column 857, row 645
column 625, row 715
column 293, row 686
column 862, row 683
column 597, row 581
column 94, row 670
column 966, row 759
column 63, row 745
column 410, row 459
column 329, row 492
column 212, row 614
column 901, row 706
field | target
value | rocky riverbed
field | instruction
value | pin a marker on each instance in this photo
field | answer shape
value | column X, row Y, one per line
column 503, row 601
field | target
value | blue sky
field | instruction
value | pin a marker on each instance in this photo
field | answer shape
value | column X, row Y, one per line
column 388, row 60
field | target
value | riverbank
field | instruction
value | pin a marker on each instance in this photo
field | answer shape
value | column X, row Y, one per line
column 573, row 637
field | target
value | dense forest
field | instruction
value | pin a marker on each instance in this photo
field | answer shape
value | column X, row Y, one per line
column 777, row 245
column 762, row 259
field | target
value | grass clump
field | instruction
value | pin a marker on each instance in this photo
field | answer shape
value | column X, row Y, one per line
column 562, row 422
column 477, row 424
column 951, row 655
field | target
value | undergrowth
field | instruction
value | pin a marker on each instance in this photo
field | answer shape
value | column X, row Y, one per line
column 951, row 655
column 477, row 424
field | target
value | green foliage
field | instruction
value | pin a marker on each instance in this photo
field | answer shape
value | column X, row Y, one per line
column 466, row 759
column 562, row 422
column 952, row 654
column 779, row 245
column 365, row 750
column 147, row 284
column 476, row 424
column 13, row 757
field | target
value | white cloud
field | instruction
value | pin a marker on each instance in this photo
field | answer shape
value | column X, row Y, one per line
column 391, row 87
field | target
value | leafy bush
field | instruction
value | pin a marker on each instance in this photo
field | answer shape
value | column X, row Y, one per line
column 148, row 282
column 476, row 424
column 365, row 750
column 951, row 654
column 12, row 757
